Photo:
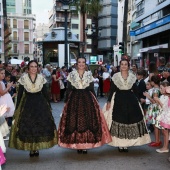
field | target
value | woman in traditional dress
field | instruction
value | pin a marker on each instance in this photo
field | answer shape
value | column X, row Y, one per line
column 82, row 125
column 33, row 125
column 125, row 116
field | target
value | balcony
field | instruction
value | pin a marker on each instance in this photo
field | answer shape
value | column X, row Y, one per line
column 15, row 39
column 14, row 26
column 7, row 32
column 62, row 19
column 26, row 26
column 13, row 53
column 7, row 40
column 26, row 52
column 8, row 47
column 26, row 39
column 139, row 12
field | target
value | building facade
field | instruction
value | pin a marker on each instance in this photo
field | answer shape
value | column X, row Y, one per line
column 107, row 22
column 21, row 22
column 150, row 30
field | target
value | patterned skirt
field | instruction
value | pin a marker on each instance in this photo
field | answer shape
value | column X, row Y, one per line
column 125, row 120
column 82, row 125
column 33, row 124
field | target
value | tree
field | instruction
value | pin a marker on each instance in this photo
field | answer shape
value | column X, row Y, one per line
column 91, row 7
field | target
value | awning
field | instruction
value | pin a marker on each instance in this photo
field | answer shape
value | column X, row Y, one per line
column 142, row 50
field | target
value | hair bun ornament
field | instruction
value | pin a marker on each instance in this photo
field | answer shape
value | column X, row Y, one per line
column 167, row 89
column 126, row 57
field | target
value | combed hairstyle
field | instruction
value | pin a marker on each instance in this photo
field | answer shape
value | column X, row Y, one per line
column 124, row 60
column 32, row 61
column 81, row 58
column 164, row 84
column 155, row 79
column 141, row 72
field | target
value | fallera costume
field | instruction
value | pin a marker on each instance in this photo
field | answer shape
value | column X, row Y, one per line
column 82, row 125
column 33, row 124
column 125, row 117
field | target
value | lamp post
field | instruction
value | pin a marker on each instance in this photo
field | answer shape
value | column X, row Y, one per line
column 66, row 8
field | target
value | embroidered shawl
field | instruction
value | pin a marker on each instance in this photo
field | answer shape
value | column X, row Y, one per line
column 124, row 84
column 80, row 83
column 32, row 87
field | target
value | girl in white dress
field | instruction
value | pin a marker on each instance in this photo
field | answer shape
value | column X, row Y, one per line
column 5, row 97
column 163, row 109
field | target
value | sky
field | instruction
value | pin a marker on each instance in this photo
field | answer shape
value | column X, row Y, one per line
column 40, row 9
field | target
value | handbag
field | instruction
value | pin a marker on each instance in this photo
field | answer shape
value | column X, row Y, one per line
column 2, row 157
column 61, row 84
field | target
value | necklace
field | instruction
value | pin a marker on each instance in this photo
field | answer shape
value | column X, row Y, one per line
column 33, row 82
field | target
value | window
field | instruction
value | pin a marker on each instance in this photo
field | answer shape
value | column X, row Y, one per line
column 15, row 48
column 15, row 37
column 14, row 23
column 75, row 16
column 26, row 24
column 8, row 22
column 140, row 9
column 75, row 26
column 26, row 48
column 26, row 36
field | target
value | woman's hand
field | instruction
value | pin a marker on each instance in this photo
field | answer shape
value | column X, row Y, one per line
column 108, row 106
column 146, row 94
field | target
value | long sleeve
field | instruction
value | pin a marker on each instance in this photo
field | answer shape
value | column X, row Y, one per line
column 113, row 88
column 68, row 91
column 19, row 95
column 135, row 90
column 91, row 88
column 46, row 95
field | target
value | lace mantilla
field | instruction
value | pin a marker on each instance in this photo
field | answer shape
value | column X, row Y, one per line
column 124, row 84
column 32, row 87
column 80, row 83
column 125, row 131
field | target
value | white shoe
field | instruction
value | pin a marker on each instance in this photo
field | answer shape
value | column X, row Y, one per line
column 162, row 151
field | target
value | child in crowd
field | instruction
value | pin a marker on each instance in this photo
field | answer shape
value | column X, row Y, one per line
column 146, row 101
column 165, row 117
column 163, row 106
column 96, row 83
column 3, row 127
column 153, row 109
column 5, row 96
column 12, row 92
column 141, row 86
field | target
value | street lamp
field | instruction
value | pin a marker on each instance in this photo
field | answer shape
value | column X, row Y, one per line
column 66, row 7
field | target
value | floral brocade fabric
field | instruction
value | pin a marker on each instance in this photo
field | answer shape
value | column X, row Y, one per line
column 81, row 121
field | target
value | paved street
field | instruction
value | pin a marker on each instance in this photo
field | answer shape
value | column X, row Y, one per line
column 104, row 158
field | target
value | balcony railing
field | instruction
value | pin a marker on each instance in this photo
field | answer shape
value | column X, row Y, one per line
column 7, row 40
column 7, row 32
column 15, row 38
column 139, row 13
column 26, row 39
column 62, row 19
column 8, row 47
column 26, row 51
column 26, row 26
column 13, row 52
